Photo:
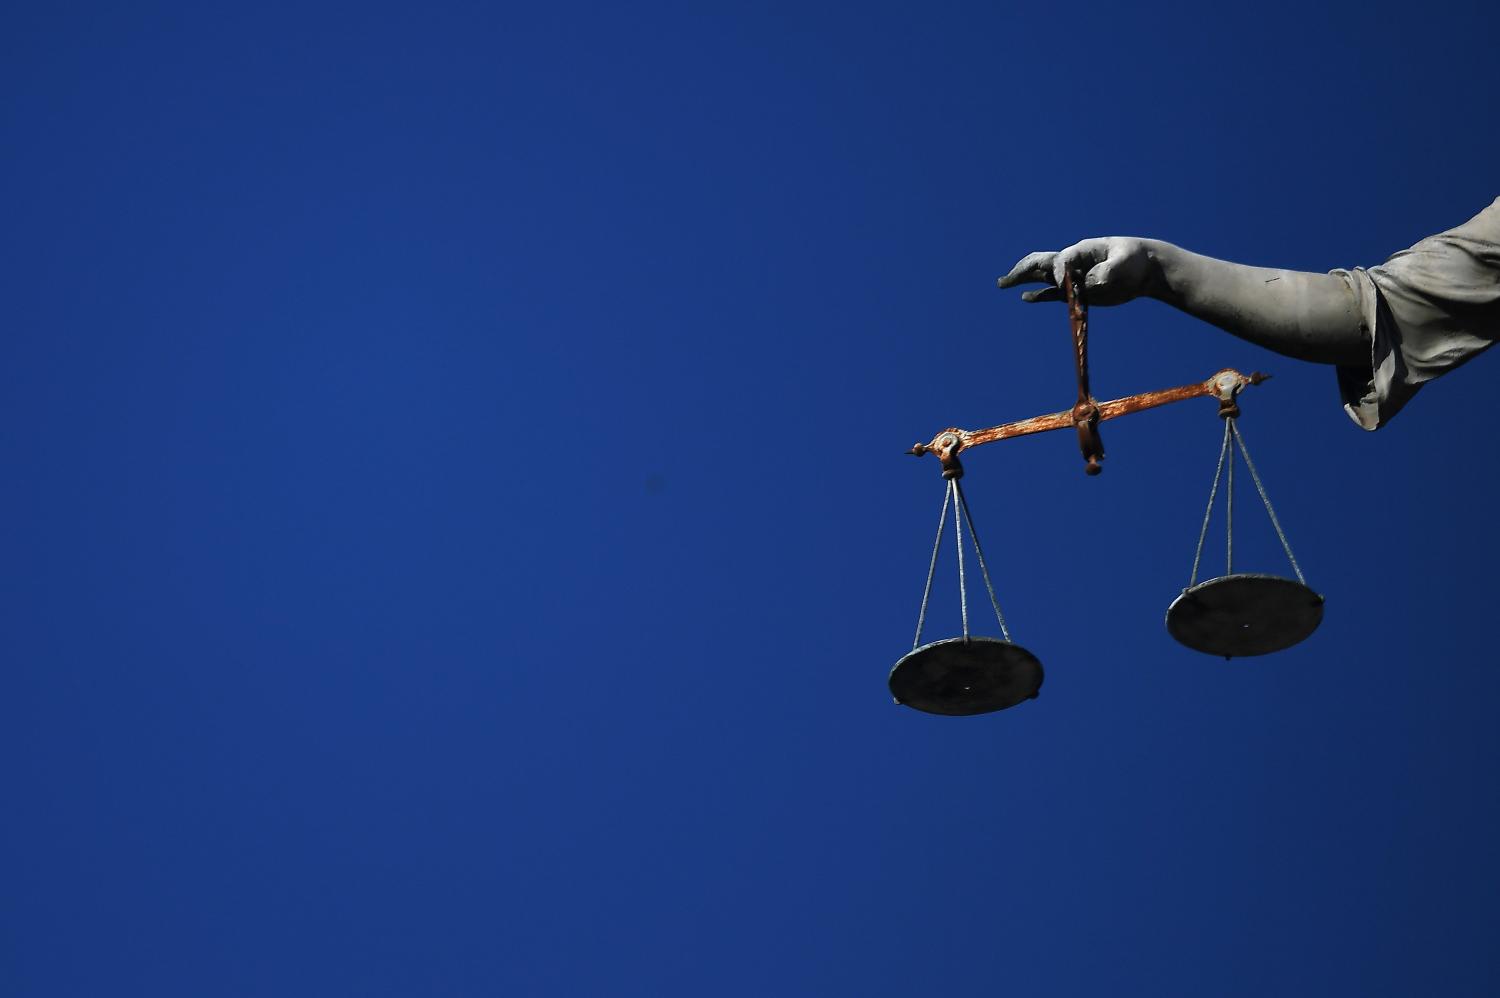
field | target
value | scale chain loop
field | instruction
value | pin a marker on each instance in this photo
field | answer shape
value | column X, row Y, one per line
column 932, row 568
column 1255, row 476
column 983, row 568
column 1213, row 494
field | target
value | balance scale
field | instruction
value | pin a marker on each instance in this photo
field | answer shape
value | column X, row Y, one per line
column 1234, row 615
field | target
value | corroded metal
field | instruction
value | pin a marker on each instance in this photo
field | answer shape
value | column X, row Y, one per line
column 1087, row 413
column 1225, row 386
column 1085, row 410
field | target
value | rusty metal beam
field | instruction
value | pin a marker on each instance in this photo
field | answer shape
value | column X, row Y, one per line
column 1225, row 386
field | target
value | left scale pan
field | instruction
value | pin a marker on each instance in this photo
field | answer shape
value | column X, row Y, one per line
column 969, row 674
column 961, row 676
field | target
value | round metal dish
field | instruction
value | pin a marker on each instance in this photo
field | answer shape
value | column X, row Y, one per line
column 960, row 676
column 1244, row 614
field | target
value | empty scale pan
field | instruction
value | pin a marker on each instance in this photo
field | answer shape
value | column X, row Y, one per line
column 961, row 676
column 969, row 674
column 1244, row 614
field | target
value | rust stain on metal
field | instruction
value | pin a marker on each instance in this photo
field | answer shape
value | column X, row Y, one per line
column 1086, row 414
column 1224, row 385
column 1086, row 410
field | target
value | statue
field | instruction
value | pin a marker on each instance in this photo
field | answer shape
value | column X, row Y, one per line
column 1388, row 330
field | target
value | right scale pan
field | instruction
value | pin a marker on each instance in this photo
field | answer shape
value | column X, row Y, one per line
column 1244, row 614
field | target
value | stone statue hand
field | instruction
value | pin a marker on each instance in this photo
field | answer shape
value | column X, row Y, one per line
column 1303, row 315
column 1115, row 269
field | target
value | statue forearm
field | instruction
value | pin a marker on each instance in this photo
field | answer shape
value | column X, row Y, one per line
column 1307, row 316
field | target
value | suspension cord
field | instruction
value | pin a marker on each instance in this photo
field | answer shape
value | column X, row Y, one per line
column 932, row 568
column 1213, row 494
column 983, row 568
column 1281, row 534
column 958, row 537
column 1229, row 511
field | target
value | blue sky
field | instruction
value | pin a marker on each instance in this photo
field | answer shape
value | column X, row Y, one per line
column 457, row 530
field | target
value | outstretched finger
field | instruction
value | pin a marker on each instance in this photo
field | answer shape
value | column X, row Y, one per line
column 1031, row 268
column 1042, row 294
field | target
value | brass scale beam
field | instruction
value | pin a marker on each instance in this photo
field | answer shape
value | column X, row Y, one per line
column 1086, row 414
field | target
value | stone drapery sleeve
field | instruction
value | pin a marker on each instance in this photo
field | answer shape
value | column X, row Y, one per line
column 1426, row 310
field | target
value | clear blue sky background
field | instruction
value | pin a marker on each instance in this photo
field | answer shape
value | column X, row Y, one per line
column 457, row 532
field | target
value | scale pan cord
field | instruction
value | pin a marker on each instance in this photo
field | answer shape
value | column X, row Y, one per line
column 971, row 674
column 1243, row 614
column 953, row 494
